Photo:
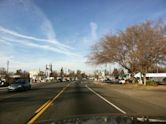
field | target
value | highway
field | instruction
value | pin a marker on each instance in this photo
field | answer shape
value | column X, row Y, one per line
column 56, row 101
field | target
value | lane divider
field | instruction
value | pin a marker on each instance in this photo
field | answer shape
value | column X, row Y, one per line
column 41, row 107
column 44, row 107
column 122, row 111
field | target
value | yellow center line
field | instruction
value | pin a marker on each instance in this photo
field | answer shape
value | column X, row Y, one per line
column 41, row 107
column 44, row 107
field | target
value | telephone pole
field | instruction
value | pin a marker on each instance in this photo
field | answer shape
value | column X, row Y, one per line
column 7, row 68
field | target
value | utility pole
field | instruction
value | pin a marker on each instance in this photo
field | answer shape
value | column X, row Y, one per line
column 157, row 68
column 7, row 68
column 105, row 71
column 50, row 68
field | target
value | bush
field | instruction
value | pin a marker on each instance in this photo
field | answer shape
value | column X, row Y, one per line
column 151, row 83
column 128, row 81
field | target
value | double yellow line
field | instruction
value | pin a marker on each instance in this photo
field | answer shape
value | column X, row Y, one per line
column 44, row 107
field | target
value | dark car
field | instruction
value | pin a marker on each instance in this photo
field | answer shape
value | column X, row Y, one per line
column 108, row 81
column 20, row 85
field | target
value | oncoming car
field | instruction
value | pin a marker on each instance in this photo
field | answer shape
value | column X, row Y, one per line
column 20, row 85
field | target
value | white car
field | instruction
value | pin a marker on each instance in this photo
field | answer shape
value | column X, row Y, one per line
column 3, row 82
column 122, row 81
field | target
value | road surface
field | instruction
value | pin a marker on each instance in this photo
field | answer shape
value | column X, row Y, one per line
column 55, row 101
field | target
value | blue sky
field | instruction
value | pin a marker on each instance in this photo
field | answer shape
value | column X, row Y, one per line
column 34, row 33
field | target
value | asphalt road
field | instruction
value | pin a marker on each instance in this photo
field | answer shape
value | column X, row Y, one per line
column 55, row 101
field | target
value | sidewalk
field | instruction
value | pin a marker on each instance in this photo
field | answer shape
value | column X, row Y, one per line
column 3, row 88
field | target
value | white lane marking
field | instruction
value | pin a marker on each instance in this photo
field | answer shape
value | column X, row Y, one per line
column 106, row 100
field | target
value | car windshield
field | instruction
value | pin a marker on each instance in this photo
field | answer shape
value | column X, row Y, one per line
column 82, row 61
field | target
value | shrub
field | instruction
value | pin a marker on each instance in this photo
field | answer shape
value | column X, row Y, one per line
column 128, row 81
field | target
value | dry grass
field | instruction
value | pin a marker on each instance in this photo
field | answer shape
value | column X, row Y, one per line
column 133, row 86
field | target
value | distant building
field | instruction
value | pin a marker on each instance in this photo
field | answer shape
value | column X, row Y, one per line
column 48, row 70
column 15, row 76
column 33, row 75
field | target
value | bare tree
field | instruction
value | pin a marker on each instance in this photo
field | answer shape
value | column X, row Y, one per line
column 137, row 49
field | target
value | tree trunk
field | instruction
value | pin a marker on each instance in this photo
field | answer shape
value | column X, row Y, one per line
column 132, row 78
column 144, row 79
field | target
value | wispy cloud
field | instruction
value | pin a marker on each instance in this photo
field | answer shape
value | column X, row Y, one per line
column 15, row 34
column 36, row 33
column 46, row 25
column 90, row 39
column 93, row 27
column 41, row 22
column 10, row 37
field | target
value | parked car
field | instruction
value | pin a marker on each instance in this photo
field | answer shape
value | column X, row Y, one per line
column 115, row 81
column 108, row 81
column 3, row 83
column 20, row 85
column 122, row 81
